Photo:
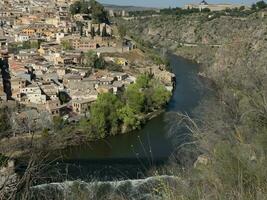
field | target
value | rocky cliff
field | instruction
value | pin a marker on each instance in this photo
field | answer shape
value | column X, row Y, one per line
column 202, row 38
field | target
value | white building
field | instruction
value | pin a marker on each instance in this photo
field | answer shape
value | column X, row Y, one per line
column 22, row 38
column 59, row 37
column 33, row 94
column 212, row 7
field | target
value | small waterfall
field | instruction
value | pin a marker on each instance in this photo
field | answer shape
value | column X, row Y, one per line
column 132, row 189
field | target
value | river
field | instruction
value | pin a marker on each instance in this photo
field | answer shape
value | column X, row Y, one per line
column 132, row 155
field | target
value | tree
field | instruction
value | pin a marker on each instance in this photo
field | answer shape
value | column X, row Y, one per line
column 122, row 34
column 206, row 10
column 93, row 32
column 66, row 45
column 4, row 120
column 85, row 5
column 135, row 99
column 143, row 80
column 129, row 118
column 261, row 5
column 80, row 26
column 29, row 44
column 122, row 31
column 104, row 31
column 242, row 8
column 90, row 58
column 253, row 7
column 104, row 115
column 160, row 95
column 94, row 61
column 98, row 12
column 63, row 97
column 98, row 32
column 92, row 7
column 99, row 63
column 75, row 7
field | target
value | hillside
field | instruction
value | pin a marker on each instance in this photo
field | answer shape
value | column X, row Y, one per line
column 196, row 36
column 230, row 133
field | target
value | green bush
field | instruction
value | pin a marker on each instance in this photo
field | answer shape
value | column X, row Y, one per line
column 94, row 61
column 92, row 7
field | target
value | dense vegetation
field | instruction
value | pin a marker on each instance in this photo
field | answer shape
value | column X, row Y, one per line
column 92, row 8
column 112, row 114
column 109, row 115
column 66, row 45
column 93, row 60
column 259, row 5
column 17, row 46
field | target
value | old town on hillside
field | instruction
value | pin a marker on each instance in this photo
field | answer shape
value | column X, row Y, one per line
column 57, row 57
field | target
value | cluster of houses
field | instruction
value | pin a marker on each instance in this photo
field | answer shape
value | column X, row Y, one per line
column 38, row 20
column 44, row 70
column 57, row 85
column 43, row 63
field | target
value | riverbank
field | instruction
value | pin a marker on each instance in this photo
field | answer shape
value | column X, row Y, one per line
column 128, row 111
column 22, row 145
column 142, row 149
column 133, row 155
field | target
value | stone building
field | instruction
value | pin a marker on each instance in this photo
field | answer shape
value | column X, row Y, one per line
column 32, row 94
column 17, row 83
column 82, row 106
column 213, row 7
